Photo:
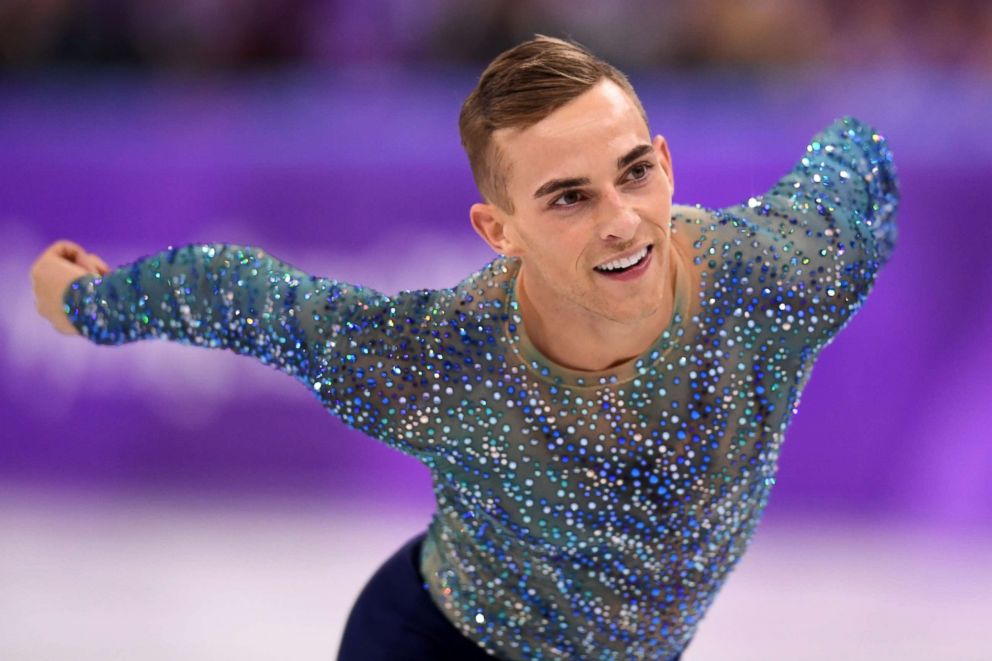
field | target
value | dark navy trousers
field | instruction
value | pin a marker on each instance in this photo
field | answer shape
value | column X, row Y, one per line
column 394, row 618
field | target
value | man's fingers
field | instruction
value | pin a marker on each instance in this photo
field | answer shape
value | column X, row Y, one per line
column 68, row 249
column 75, row 253
column 58, row 253
column 93, row 263
column 86, row 261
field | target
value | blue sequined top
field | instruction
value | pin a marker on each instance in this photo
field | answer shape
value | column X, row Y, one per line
column 579, row 515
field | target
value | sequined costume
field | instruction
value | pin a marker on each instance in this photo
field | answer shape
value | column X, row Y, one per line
column 579, row 515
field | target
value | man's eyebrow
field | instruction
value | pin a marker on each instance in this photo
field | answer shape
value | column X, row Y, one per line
column 632, row 155
column 558, row 184
column 622, row 162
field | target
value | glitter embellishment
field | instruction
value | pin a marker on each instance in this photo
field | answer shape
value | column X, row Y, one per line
column 578, row 516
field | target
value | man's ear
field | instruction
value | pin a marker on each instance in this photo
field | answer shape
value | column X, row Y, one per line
column 490, row 223
column 664, row 158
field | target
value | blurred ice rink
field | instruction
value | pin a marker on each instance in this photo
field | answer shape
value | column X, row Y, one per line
column 95, row 577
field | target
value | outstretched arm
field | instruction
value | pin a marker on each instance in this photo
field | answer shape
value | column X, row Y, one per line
column 351, row 346
column 823, row 232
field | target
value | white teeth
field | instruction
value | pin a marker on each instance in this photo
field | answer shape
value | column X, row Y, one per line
column 625, row 262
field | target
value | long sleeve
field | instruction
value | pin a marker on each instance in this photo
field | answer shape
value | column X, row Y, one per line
column 353, row 347
column 824, row 231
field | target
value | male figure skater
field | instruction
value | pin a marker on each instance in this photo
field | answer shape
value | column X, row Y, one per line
column 601, row 406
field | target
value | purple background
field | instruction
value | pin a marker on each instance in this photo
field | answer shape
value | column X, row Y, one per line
column 359, row 175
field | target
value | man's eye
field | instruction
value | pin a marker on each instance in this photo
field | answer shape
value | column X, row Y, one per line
column 567, row 199
column 639, row 171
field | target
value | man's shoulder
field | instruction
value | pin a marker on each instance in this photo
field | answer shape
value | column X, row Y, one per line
column 709, row 240
column 694, row 212
column 696, row 222
column 694, row 227
column 480, row 294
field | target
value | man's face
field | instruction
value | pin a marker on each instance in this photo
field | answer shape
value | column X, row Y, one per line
column 588, row 187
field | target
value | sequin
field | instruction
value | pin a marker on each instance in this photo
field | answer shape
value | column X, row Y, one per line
column 579, row 515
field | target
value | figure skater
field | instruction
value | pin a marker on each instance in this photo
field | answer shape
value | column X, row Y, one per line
column 601, row 406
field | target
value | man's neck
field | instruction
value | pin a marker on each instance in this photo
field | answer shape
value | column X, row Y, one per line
column 576, row 338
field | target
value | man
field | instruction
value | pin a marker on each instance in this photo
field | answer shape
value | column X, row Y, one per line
column 601, row 406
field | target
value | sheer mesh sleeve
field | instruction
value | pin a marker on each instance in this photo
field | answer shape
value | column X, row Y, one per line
column 823, row 232
column 353, row 347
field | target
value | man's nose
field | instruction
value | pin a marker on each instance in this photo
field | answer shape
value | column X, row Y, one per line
column 619, row 220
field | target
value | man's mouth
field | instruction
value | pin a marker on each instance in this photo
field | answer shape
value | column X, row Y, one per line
column 625, row 263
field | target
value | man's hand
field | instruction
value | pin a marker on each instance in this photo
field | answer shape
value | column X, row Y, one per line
column 56, row 267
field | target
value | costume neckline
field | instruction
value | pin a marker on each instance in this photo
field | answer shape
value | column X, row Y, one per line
column 547, row 370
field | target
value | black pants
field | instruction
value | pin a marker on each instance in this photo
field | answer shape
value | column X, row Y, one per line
column 395, row 619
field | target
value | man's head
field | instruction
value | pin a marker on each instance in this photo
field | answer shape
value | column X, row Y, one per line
column 519, row 88
column 560, row 150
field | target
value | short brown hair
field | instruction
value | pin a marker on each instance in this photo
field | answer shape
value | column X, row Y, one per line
column 519, row 88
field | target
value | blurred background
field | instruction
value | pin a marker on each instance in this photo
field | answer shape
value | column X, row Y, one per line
column 159, row 501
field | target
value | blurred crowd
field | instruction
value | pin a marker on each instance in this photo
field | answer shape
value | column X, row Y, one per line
column 246, row 34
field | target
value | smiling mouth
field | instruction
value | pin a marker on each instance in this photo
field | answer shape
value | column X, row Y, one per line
column 622, row 265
